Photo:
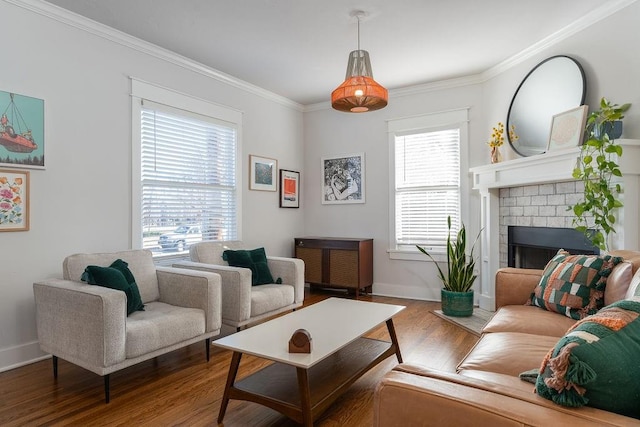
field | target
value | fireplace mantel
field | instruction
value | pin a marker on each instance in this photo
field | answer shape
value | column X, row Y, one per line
column 552, row 167
column 555, row 166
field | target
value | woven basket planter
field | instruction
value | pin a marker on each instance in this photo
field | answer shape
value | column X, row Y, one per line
column 457, row 304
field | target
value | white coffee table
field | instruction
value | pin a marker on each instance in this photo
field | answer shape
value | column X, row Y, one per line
column 302, row 386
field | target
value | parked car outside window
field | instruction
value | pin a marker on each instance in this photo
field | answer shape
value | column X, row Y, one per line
column 181, row 238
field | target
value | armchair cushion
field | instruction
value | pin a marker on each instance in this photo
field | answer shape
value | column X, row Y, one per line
column 113, row 278
column 255, row 260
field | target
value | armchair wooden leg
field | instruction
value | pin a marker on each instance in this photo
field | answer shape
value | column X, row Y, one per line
column 106, row 388
column 207, row 344
column 55, row 367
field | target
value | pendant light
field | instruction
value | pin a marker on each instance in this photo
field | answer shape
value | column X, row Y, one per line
column 359, row 93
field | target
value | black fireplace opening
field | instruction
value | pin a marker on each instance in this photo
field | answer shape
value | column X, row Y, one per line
column 533, row 247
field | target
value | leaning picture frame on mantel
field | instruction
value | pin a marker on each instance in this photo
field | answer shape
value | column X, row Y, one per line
column 343, row 179
column 567, row 129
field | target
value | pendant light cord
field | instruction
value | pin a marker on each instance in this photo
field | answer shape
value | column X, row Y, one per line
column 358, row 18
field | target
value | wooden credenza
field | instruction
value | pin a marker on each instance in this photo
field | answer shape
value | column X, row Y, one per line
column 337, row 262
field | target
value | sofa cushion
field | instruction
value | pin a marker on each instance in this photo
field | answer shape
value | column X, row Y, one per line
column 113, row 278
column 634, row 286
column 255, row 260
column 574, row 284
column 618, row 283
column 529, row 320
column 596, row 362
column 161, row 325
column 508, row 353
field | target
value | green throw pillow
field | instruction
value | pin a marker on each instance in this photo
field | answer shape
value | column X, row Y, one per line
column 596, row 362
column 255, row 259
column 573, row 285
column 113, row 278
column 123, row 267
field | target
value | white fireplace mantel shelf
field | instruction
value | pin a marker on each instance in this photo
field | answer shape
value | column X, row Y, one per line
column 555, row 166
column 552, row 167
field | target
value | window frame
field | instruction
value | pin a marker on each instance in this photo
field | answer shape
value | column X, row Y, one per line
column 433, row 122
column 174, row 100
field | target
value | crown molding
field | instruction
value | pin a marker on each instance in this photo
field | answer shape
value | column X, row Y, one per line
column 591, row 18
column 74, row 20
column 85, row 24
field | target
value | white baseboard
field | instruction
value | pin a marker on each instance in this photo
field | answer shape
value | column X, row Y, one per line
column 408, row 292
column 20, row 355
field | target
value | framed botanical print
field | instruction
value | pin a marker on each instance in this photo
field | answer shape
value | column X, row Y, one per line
column 14, row 200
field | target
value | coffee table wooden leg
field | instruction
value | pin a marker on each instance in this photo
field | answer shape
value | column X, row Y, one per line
column 305, row 397
column 231, row 379
column 394, row 339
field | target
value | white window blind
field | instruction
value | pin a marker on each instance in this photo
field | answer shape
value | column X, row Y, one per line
column 188, row 177
column 427, row 187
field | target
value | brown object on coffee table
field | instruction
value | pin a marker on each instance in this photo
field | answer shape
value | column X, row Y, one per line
column 300, row 342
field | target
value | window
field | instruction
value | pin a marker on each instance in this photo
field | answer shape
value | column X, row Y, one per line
column 426, row 169
column 187, row 181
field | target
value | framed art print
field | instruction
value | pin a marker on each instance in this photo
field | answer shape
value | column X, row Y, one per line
column 262, row 175
column 14, row 200
column 567, row 129
column 343, row 179
column 21, row 131
column 289, row 189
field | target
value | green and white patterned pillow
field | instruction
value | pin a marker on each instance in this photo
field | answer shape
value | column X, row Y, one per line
column 596, row 362
column 573, row 285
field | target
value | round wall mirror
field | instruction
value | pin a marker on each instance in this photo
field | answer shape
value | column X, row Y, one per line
column 555, row 85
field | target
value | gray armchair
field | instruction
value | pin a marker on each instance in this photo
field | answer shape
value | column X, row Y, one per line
column 242, row 303
column 88, row 325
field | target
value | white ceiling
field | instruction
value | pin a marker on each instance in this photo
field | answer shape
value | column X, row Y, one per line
column 299, row 48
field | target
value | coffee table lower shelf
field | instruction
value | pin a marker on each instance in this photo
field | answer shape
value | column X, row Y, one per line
column 303, row 394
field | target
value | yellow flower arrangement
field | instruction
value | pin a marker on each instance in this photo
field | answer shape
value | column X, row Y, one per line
column 497, row 137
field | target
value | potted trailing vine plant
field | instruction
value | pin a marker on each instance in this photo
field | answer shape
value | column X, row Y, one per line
column 456, row 294
column 596, row 168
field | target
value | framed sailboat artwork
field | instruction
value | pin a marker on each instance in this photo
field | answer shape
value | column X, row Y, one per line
column 21, row 131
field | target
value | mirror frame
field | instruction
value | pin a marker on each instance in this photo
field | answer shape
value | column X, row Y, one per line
column 533, row 70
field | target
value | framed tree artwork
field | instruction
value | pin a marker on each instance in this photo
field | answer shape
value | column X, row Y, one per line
column 262, row 173
column 343, row 179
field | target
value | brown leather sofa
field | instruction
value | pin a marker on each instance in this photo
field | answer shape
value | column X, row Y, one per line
column 486, row 390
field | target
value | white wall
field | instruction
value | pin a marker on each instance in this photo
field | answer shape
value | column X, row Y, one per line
column 329, row 133
column 81, row 202
column 608, row 52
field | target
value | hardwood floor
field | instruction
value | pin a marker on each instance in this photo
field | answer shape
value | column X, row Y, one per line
column 181, row 388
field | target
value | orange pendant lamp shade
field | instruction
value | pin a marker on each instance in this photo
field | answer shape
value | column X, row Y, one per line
column 359, row 93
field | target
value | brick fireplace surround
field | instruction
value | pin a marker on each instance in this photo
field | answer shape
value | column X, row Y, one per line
column 535, row 191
